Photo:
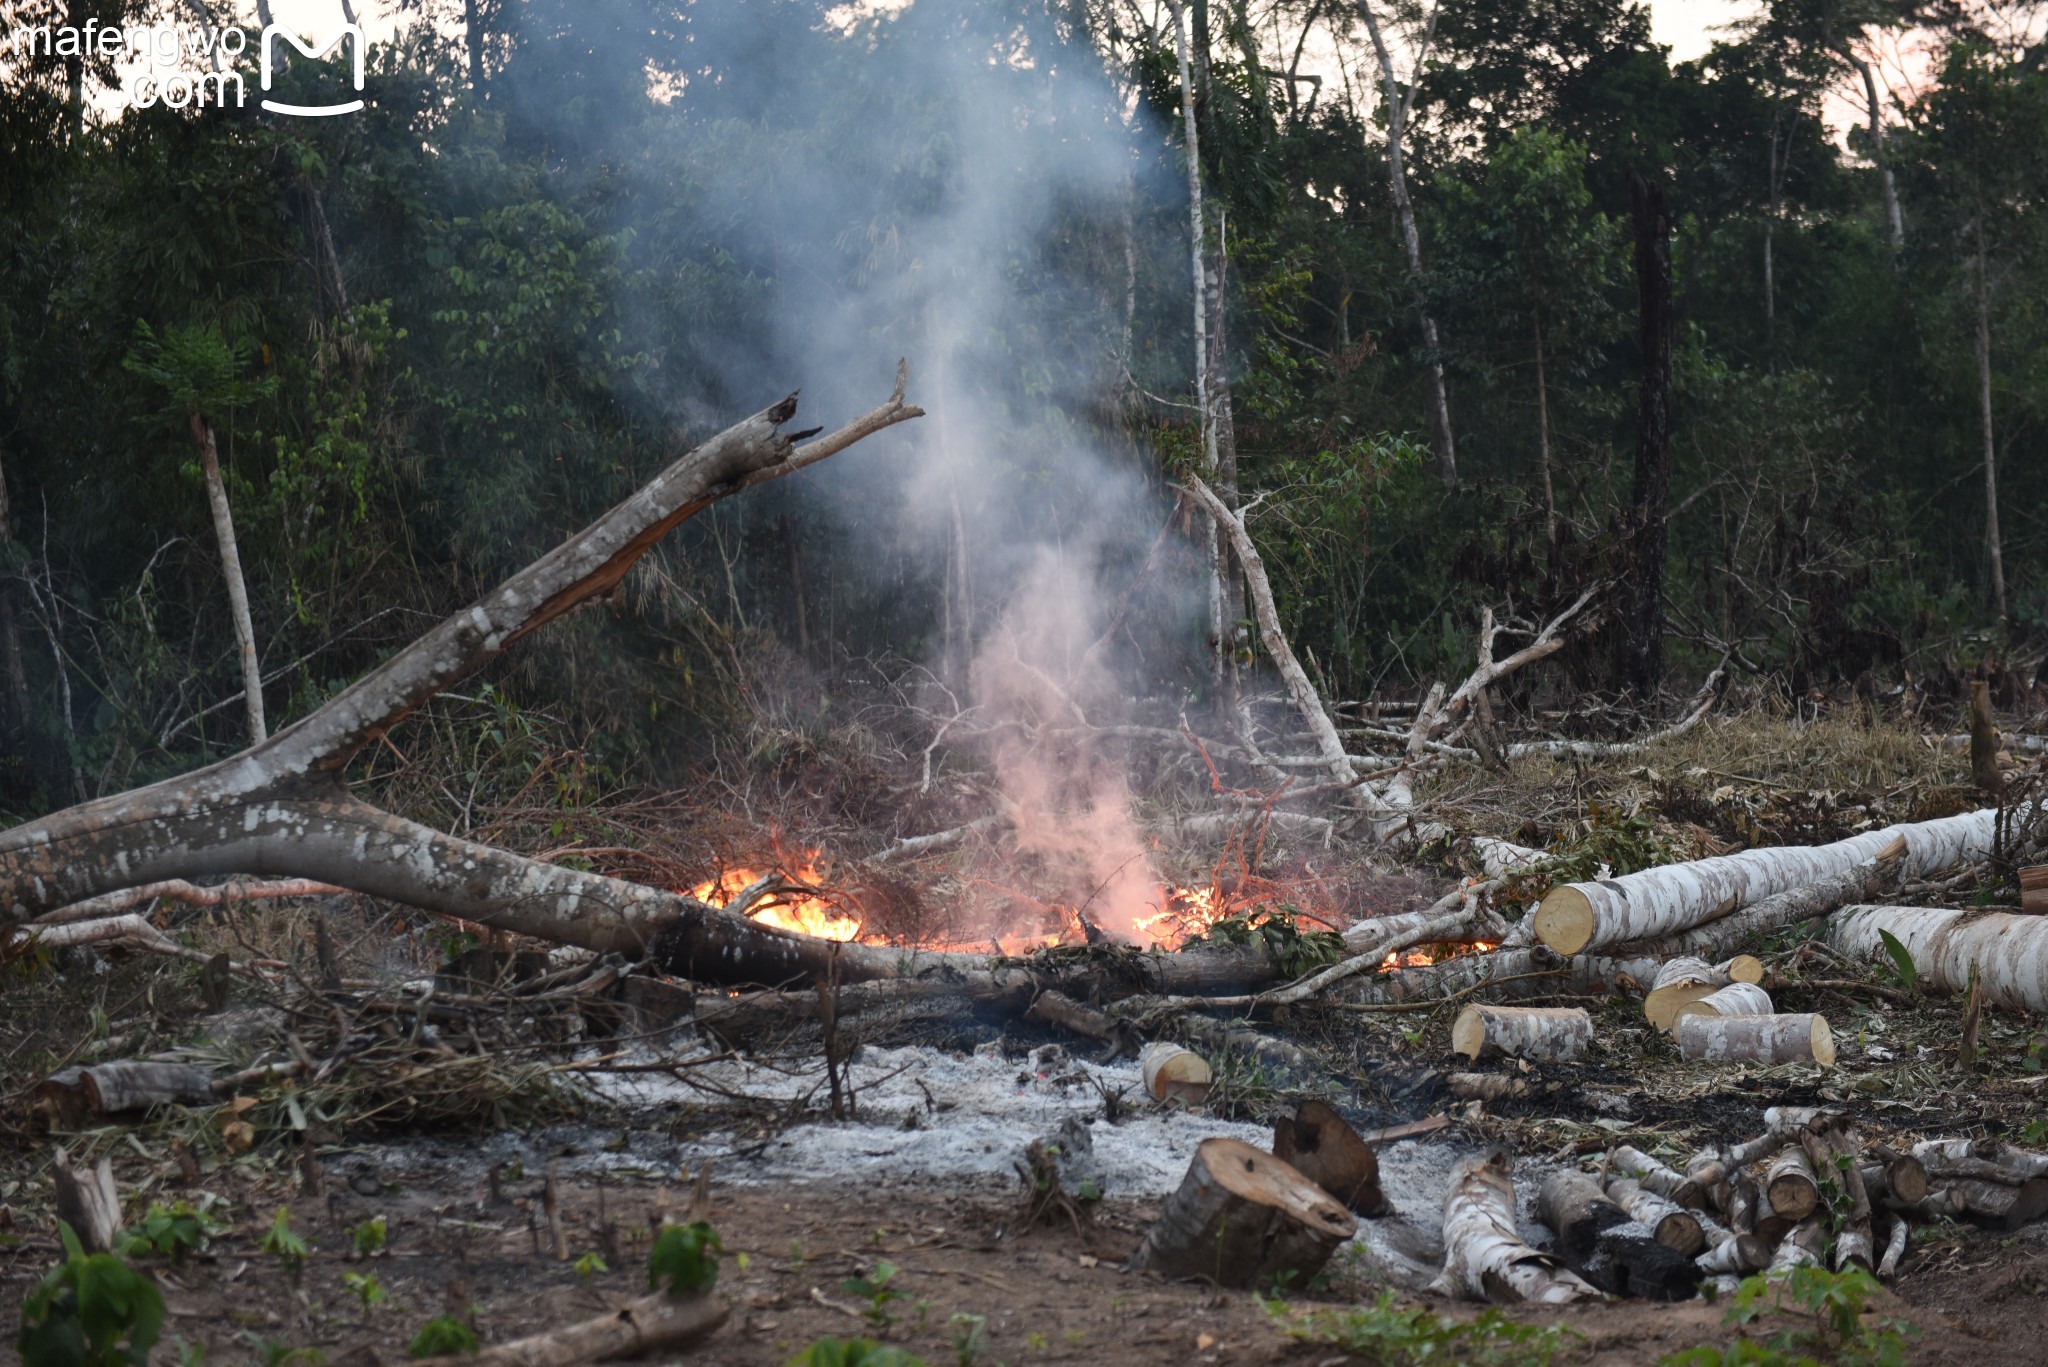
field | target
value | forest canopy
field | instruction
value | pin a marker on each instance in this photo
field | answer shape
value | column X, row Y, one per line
column 411, row 347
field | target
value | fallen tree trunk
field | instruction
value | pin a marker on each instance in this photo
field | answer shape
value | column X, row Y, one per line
column 1654, row 902
column 281, row 807
column 2007, row 953
column 1723, row 936
column 78, row 1094
column 1550, row 1033
column 653, row 1323
column 1484, row 1257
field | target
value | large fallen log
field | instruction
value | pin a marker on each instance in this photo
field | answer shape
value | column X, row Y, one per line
column 1484, row 1257
column 1575, row 917
column 2006, row 952
column 653, row 1323
column 282, row 806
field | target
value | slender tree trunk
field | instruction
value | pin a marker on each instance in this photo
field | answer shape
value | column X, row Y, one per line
column 794, row 547
column 1221, row 428
column 1770, row 265
column 10, row 636
column 473, row 43
column 231, row 569
column 1543, row 435
column 1880, row 149
column 1440, row 434
column 1212, row 545
column 1991, row 540
column 1642, row 627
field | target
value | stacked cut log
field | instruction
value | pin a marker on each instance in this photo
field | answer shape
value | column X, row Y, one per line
column 1810, row 1191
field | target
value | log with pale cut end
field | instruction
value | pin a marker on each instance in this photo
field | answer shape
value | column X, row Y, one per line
column 1895, row 1179
column 1624, row 1161
column 1736, row 999
column 1575, row 1207
column 1743, row 968
column 1768, row 1040
column 1241, row 1217
column 77, row 1095
column 1999, row 1205
column 1680, row 981
column 2008, row 951
column 1322, row 1146
column 1576, row 917
column 88, row 1202
column 1669, row 1223
column 1484, row 1257
column 1730, row 1252
column 1789, row 1186
column 1550, row 1033
column 1175, row 1074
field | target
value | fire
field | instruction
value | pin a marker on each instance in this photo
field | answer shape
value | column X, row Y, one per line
column 1420, row 958
column 1185, row 914
column 801, row 911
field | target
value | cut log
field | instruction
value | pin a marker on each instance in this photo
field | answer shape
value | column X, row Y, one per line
column 1576, row 917
column 1894, row 1249
column 1321, row 1145
column 1896, row 1179
column 1488, row 1086
column 74, row 1097
column 1627, row 1261
column 1484, row 1257
column 1669, row 1223
column 2034, row 890
column 1999, row 1205
column 1624, row 1161
column 1984, row 1159
column 656, row 1323
column 1240, row 1218
column 1576, row 1209
column 1729, row 1252
column 1679, row 982
column 1833, row 1149
column 1550, row 1033
column 1736, row 999
column 1687, row 979
column 1172, row 1073
column 1768, row 1040
column 1717, row 939
column 1804, row 1246
column 1789, row 1186
column 88, row 1202
column 2008, row 951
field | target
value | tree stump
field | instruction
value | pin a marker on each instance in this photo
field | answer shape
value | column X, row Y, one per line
column 1241, row 1217
column 1323, row 1147
column 88, row 1202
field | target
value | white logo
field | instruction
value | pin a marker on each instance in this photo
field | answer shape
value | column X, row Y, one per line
column 314, row 111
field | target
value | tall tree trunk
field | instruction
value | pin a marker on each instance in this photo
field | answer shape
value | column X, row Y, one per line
column 1642, row 627
column 1991, row 540
column 1543, row 435
column 473, row 43
column 1880, row 149
column 231, row 569
column 1440, row 435
column 10, row 637
column 1212, row 545
column 1770, row 265
column 1221, row 447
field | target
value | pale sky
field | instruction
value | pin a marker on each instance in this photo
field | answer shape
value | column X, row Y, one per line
column 1687, row 26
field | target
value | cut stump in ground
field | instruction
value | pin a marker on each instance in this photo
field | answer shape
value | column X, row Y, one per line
column 1241, row 1217
column 1321, row 1145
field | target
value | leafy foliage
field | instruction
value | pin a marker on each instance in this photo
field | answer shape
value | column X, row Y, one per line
column 684, row 1260
column 442, row 1336
column 1825, row 1318
column 91, row 1310
column 831, row 1352
column 1385, row 1334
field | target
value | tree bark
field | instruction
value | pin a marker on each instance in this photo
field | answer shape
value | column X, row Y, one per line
column 1440, row 432
column 1768, row 1040
column 231, row 570
column 652, row 1323
column 1991, row 539
column 1551, row 1033
column 1669, row 1223
column 1484, row 1256
column 1895, row 224
column 1577, row 1210
column 1664, row 901
column 10, row 639
column 1656, row 1176
column 1543, row 437
column 1642, row 627
column 1723, row 1003
column 1241, row 1217
column 2007, row 951
column 282, row 807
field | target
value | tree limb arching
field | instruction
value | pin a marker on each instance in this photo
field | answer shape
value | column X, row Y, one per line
column 281, row 807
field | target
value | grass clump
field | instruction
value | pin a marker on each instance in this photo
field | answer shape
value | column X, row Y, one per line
column 1385, row 1334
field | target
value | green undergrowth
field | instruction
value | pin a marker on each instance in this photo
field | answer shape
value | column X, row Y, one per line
column 1808, row 1318
column 1385, row 1334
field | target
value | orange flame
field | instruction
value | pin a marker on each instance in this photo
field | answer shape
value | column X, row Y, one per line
column 804, row 912
column 1185, row 914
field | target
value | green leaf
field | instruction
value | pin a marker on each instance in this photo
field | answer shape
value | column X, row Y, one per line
column 685, row 1259
column 1901, row 960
